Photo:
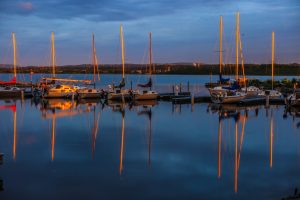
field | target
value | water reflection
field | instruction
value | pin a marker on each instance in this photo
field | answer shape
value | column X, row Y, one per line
column 146, row 110
column 229, row 148
column 240, row 115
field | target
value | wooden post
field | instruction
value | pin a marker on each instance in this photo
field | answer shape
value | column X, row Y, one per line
column 267, row 98
column 192, row 102
column 180, row 85
column 22, row 95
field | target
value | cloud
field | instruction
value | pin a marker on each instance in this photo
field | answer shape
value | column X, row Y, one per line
column 26, row 6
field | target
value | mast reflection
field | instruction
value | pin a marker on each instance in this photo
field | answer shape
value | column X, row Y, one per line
column 95, row 131
column 120, row 107
column 271, row 140
column 148, row 112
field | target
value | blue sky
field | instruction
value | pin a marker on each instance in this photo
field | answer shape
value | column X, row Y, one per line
column 183, row 30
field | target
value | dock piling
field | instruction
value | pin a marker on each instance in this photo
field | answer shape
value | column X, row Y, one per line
column 22, row 95
column 267, row 98
column 176, row 90
column 180, row 86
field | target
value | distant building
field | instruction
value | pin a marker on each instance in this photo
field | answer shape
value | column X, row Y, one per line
column 197, row 64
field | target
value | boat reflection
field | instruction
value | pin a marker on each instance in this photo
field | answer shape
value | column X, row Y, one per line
column 239, row 115
column 13, row 108
column 58, row 108
column 143, row 108
column 293, row 112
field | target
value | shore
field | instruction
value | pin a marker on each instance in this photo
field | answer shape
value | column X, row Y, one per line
column 169, row 69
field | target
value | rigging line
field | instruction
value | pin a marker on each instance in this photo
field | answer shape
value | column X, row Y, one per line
column 242, row 59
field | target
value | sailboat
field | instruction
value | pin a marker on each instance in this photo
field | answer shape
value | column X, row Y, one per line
column 230, row 94
column 147, row 94
column 274, row 95
column 7, row 88
column 59, row 90
column 91, row 92
column 116, row 92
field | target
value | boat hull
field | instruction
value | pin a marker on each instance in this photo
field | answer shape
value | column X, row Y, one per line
column 11, row 94
column 146, row 96
column 94, row 95
column 119, row 96
column 60, row 95
column 226, row 99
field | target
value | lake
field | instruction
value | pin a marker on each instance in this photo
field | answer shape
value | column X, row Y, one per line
column 59, row 149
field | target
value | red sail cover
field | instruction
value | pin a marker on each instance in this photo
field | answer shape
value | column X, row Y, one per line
column 11, row 82
column 10, row 107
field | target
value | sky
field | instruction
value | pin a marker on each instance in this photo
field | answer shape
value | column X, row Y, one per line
column 182, row 30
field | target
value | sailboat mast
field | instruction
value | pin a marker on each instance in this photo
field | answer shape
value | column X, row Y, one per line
column 123, row 53
column 221, row 43
column 237, row 44
column 15, row 54
column 53, row 54
column 273, row 55
column 150, row 53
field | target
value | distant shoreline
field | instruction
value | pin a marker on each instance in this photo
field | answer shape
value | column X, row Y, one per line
column 162, row 69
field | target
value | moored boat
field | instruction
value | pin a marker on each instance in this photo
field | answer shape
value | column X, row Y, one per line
column 8, row 88
column 60, row 91
column 115, row 92
column 89, row 92
column 147, row 94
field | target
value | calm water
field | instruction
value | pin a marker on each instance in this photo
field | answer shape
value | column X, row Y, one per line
column 77, row 150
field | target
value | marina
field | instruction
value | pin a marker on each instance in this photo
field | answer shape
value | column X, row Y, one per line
column 149, row 100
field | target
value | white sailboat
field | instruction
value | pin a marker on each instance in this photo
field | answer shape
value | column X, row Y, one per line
column 59, row 90
column 91, row 92
column 273, row 94
column 222, row 94
column 147, row 94
column 116, row 92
